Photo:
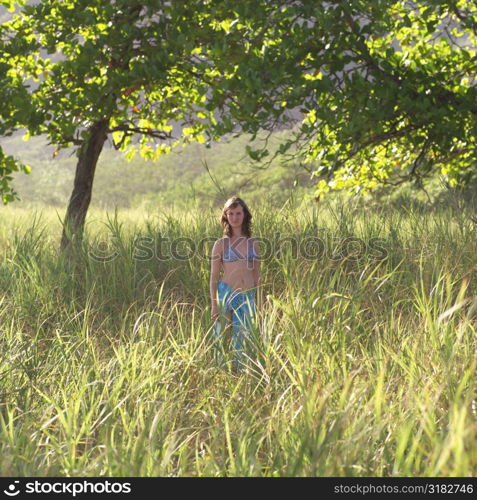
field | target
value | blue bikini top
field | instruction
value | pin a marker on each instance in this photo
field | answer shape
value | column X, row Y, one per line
column 230, row 255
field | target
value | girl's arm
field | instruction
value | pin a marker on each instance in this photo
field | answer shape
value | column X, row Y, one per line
column 215, row 268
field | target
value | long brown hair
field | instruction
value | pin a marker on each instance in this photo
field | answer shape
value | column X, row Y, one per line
column 247, row 217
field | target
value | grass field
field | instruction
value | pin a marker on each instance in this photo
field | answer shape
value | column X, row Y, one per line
column 364, row 362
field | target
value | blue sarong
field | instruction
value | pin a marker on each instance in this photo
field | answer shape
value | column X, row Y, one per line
column 242, row 305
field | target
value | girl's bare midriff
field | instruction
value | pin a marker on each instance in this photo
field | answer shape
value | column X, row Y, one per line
column 238, row 274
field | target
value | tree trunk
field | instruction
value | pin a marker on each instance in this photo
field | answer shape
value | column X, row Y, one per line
column 81, row 196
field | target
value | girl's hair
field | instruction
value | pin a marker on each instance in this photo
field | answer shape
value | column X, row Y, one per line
column 234, row 202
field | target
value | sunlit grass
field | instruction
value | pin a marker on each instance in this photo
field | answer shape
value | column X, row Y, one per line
column 364, row 363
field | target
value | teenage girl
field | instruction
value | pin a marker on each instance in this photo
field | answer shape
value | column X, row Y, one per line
column 235, row 256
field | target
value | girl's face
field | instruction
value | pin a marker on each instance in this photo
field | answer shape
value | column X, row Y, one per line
column 235, row 216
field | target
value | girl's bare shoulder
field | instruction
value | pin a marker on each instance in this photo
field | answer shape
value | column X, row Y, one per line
column 218, row 245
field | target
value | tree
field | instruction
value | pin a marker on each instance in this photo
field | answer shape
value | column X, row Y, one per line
column 89, row 69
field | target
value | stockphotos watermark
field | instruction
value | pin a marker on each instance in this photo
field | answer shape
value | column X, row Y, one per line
column 312, row 248
column 66, row 487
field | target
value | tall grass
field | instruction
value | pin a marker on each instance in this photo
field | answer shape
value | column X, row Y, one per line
column 364, row 360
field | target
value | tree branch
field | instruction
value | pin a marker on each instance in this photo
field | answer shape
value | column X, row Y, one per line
column 157, row 134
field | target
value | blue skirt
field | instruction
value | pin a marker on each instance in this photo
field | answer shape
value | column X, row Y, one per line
column 242, row 306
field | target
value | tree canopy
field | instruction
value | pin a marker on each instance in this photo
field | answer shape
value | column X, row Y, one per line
column 387, row 88
column 376, row 92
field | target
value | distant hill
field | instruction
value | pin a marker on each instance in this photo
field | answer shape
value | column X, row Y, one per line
column 175, row 178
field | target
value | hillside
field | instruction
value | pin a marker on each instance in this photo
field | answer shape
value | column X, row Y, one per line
column 173, row 179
